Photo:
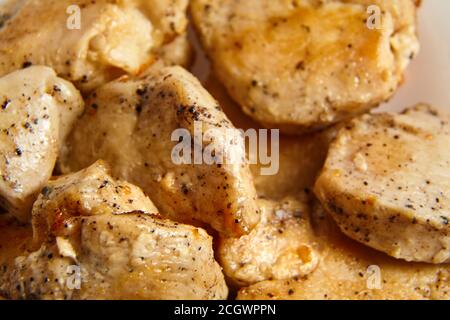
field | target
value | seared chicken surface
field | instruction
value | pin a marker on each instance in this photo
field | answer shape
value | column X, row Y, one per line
column 279, row 247
column 305, row 64
column 112, row 254
column 386, row 183
column 90, row 42
column 129, row 123
column 91, row 191
column 351, row 271
column 37, row 111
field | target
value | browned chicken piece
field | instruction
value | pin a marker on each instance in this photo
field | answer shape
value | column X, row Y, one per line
column 130, row 123
column 386, row 183
column 279, row 247
column 90, row 42
column 91, row 191
column 37, row 111
column 95, row 248
column 349, row 270
column 305, row 64
column 129, row 256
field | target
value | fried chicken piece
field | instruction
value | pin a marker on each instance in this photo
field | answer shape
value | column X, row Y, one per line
column 386, row 183
column 90, row 42
column 37, row 110
column 91, row 191
column 305, row 64
column 129, row 256
column 279, row 247
column 131, row 122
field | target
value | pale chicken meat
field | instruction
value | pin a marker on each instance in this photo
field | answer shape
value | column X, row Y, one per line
column 138, row 125
column 386, row 183
column 37, row 112
column 129, row 256
column 279, row 247
column 305, row 64
column 97, row 244
column 90, row 42
column 359, row 210
column 91, row 191
column 351, row 271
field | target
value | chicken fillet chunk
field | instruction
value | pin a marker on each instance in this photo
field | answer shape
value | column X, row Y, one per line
column 305, row 64
column 90, row 42
column 351, row 271
column 138, row 124
column 37, row 111
column 279, row 247
column 386, row 183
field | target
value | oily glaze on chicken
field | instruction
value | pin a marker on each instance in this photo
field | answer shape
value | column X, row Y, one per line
column 386, row 183
column 37, row 111
column 305, row 64
column 90, row 42
column 130, row 123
